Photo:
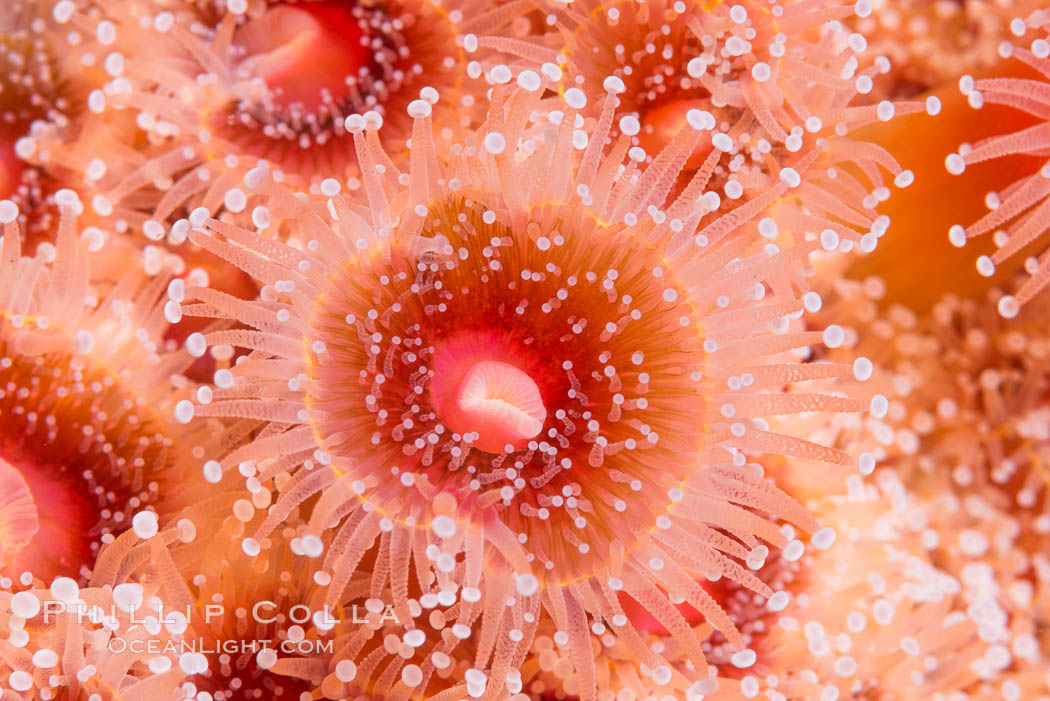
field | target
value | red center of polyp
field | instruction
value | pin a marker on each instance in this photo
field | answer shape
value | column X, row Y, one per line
column 45, row 522
column 77, row 448
column 478, row 390
column 662, row 122
column 19, row 520
column 570, row 344
column 303, row 50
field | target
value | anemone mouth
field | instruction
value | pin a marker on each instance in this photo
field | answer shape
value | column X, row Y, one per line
column 563, row 341
column 88, row 454
column 287, row 40
column 377, row 56
column 19, row 519
column 481, row 396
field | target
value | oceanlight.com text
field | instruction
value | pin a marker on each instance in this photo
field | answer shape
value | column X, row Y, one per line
column 151, row 646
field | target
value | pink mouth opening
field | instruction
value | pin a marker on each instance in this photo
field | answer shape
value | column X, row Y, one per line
column 301, row 51
column 479, row 394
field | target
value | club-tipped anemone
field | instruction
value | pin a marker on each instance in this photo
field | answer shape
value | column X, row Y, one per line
column 869, row 616
column 375, row 57
column 963, row 440
column 36, row 78
column 997, row 554
column 422, row 648
column 264, row 627
column 925, row 45
column 196, row 98
column 38, row 85
column 90, row 398
column 68, row 642
column 1017, row 213
column 771, row 82
column 244, row 621
column 859, row 616
column 533, row 367
column 968, row 391
column 549, row 285
column 550, row 674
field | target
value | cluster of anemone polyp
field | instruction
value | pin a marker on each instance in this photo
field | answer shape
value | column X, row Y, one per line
column 524, row 350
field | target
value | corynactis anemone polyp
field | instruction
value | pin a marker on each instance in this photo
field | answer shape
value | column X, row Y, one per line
column 1018, row 213
column 376, row 56
column 966, row 431
column 968, row 393
column 210, row 102
column 242, row 618
column 998, row 555
column 930, row 44
column 834, row 630
column 872, row 619
column 36, row 84
column 71, row 643
column 535, row 296
column 89, row 430
column 777, row 84
column 549, row 673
